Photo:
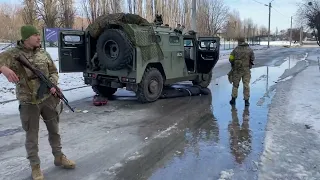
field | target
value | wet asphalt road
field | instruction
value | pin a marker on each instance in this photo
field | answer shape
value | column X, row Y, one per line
column 181, row 138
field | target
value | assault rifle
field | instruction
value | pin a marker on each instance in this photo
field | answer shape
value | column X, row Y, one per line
column 45, row 83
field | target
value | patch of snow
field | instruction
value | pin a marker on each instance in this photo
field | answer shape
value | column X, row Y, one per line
column 226, row 175
column 307, row 108
column 279, row 43
column 292, row 139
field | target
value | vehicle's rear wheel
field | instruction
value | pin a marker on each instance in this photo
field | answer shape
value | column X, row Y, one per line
column 150, row 87
column 104, row 90
column 114, row 49
column 203, row 80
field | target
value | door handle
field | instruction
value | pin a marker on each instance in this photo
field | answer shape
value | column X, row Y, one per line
column 67, row 54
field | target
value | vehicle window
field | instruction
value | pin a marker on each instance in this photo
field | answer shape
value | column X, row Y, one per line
column 156, row 38
column 206, row 44
column 174, row 39
column 188, row 43
column 72, row 39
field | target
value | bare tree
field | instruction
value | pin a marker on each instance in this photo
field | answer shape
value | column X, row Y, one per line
column 263, row 31
column 232, row 28
column 29, row 12
column 11, row 16
column 309, row 12
column 218, row 15
column 129, row 2
column 47, row 10
column 116, row 6
column 66, row 13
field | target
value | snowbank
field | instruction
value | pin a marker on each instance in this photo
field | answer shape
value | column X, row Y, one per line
column 305, row 99
column 279, row 43
column 292, row 139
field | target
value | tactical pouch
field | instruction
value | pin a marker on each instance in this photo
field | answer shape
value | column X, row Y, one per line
column 59, row 107
column 237, row 64
column 230, row 76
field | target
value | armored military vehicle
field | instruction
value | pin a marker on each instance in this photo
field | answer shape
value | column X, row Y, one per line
column 125, row 50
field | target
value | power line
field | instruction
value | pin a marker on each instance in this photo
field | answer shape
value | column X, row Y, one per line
column 278, row 11
column 259, row 2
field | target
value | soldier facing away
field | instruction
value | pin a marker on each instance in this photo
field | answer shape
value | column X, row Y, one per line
column 241, row 59
column 30, row 107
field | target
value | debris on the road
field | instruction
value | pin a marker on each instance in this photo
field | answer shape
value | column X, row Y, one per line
column 99, row 100
column 178, row 152
column 85, row 111
column 256, row 166
column 307, row 126
column 146, row 138
column 226, row 175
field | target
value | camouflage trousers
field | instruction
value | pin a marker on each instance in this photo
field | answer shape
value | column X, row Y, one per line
column 30, row 119
column 245, row 76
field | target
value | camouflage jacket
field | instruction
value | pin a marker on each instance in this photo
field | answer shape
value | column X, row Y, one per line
column 242, row 57
column 27, row 87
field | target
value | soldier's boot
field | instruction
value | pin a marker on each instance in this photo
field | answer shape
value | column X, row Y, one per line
column 246, row 103
column 36, row 172
column 233, row 101
column 64, row 162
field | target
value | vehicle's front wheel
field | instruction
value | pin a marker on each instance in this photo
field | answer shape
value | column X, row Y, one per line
column 203, row 80
column 104, row 90
column 150, row 87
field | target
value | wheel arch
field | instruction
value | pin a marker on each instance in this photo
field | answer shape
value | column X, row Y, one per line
column 156, row 65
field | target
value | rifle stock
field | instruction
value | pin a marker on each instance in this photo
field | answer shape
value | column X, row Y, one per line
column 45, row 83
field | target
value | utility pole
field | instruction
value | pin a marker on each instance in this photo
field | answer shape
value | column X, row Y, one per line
column 291, row 32
column 194, row 16
column 301, row 35
column 269, row 24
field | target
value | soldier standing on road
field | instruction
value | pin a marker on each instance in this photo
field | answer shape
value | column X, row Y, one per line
column 241, row 59
column 30, row 107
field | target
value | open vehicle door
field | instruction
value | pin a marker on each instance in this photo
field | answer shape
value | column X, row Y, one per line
column 72, row 51
column 207, row 53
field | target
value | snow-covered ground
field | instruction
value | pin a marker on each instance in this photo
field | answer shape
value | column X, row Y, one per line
column 279, row 43
column 292, row 139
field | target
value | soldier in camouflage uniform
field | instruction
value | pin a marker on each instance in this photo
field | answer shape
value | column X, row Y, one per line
column 30, row 107
column 241, row 59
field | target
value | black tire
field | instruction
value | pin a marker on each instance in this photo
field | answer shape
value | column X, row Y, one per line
column 114, row 49
column 144, row 94
column 203, row 80
column 104, row 90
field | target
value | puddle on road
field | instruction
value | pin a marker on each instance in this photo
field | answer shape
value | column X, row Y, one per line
column 220, row 140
